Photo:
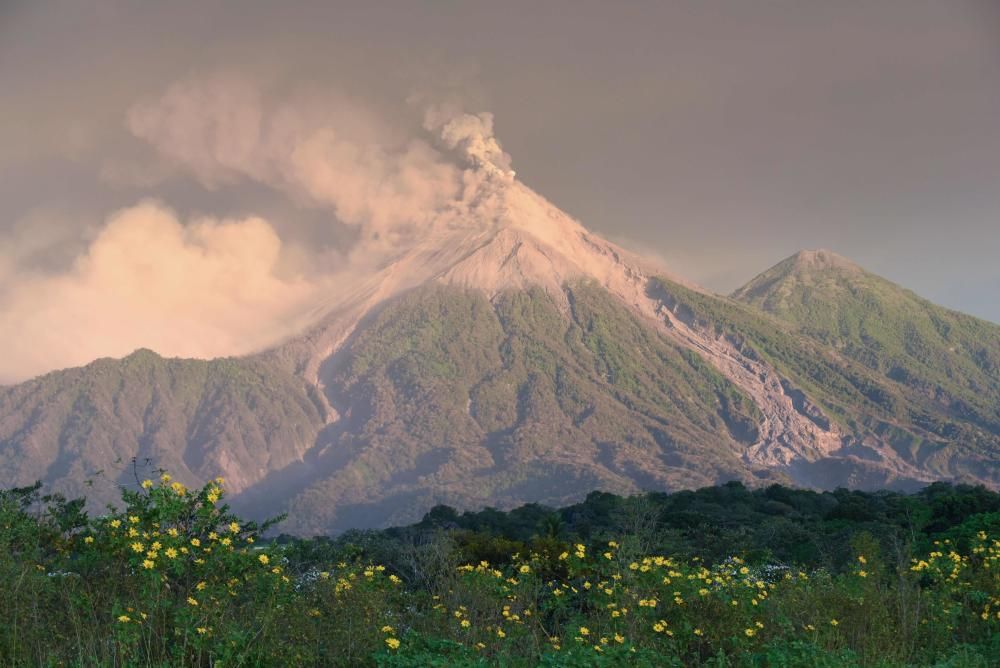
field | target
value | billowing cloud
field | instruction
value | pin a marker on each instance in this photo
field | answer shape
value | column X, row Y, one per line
column 471, row 135
column 203, row 289
column 210, row 287
column 326, row 150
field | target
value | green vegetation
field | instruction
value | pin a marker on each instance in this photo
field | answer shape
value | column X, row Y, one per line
column 452, row 398
column 920, row 426
column 233, row 414
column 950, row 357
column 173, row 578
column 444, row 395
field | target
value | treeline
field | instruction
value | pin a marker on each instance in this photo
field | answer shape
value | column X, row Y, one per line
column 776, row 525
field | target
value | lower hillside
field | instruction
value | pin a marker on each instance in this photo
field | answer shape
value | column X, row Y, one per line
column 448, row 397
column 174, row 578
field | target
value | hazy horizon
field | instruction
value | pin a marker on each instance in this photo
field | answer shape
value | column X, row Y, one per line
column 189, row 177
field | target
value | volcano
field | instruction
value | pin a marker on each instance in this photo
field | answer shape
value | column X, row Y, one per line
column 521, row 359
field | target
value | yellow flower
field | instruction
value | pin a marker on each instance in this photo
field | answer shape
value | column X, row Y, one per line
column 138, row 548
column 584, row 631
column 212, row 497
column 192, row 601
column 263, row 559
column 387, row 629
column 115, row 524
column 171, row 553
column 393, row 643
column 88, row 539
column 234, row 528
column 749, row 632
column 563, row 556
column 200, row 586
column 146, row 484
column 195, row 542
column 863, row 574
column 834, row 622
column 148, row 564
column 862, row 559
column 133, row 519
column 124, row 619
column 226, row 541
column 155, row 546
column 201, row 630
column 501, row 634
column 466, row 623
column 619, row 639
column 165, row 477
column 132, row 532
column 698, row 632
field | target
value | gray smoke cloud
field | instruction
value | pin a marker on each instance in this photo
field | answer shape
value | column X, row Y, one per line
column 472, row 136
column 209, row 286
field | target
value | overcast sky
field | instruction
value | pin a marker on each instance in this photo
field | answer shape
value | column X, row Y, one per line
column 721, row 136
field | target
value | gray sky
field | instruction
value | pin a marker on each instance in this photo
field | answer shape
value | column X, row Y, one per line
column 721, row 136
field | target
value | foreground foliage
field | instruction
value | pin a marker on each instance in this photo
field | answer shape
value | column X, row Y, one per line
column 173, row 578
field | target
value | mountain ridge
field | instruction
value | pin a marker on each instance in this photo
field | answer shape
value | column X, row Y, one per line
column 523, row 358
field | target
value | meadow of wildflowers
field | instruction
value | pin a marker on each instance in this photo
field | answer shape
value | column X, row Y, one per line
column 174, row 578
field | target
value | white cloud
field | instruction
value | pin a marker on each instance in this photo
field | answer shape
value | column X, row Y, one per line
column 205, row 289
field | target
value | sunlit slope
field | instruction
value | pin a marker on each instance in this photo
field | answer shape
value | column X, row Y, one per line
column 951, row 358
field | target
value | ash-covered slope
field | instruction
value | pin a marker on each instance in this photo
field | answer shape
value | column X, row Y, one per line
column 507, row 238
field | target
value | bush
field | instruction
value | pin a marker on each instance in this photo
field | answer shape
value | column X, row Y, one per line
column 174, row 578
